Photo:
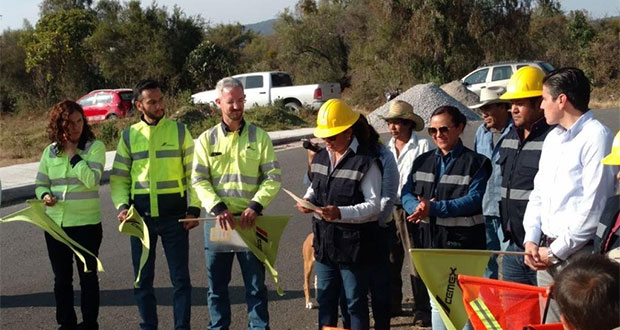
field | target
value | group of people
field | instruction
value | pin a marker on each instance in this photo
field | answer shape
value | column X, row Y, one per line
column 534, row 183
column 231, row 171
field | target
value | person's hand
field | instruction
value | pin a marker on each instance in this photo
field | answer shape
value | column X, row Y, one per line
column 188, row 225
column 122, row 216
column 247, row 218
column 225, row 219
column 532, row 256
column 302, row 209
column 330, row 212
column 422, row 211
column 49, row 200
column 543, row 252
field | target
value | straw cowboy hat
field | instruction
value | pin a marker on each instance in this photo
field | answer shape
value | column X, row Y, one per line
column 403, row 110
column 490, row 96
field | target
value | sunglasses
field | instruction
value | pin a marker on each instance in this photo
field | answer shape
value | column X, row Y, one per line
column 442, row 130
column 331, row 138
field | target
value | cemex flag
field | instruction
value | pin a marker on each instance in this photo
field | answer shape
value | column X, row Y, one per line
column 263, row 240
column 134, row 226
column 493, row 304
column 35, row 214
column 439, row 269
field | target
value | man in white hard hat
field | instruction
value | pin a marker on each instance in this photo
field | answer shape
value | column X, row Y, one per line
column 489, row 137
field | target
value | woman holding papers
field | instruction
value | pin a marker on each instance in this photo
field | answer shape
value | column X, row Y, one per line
column 68, row 183
column 444, row 190
column 346, row 187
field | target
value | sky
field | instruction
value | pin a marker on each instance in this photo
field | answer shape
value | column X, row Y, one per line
column 14, row 12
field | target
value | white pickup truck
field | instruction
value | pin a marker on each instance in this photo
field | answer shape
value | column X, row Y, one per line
column 262, row 88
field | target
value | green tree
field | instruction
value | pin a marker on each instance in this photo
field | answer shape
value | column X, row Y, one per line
column 208, row 63
column 51, row 6
column 131, row 43
column 314, row 43
column 56, row 56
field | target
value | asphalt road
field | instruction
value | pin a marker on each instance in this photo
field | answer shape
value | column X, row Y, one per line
column 26, row 278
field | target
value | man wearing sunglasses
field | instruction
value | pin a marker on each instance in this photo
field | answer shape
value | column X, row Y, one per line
column 518, row 160
column 489, row 136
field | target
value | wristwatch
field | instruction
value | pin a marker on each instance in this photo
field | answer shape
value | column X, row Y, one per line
column 552, row 258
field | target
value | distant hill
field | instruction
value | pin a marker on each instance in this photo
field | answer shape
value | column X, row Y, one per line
column 264, row 27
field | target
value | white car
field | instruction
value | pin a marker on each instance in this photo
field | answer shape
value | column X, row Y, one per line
column 498, row 74
column 262, row 88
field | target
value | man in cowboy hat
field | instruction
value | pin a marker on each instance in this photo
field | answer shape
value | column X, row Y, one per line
column 497, row 123
column 405, row 145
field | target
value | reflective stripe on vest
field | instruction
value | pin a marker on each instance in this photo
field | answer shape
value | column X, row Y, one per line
column 510, row 144
column 462, row 180
column 533, row 145
column 516, row 194
column 348, row 174
column 236, row 178
column 424, row 177
column 159, row 184
column 461, row 221
column 319, row 168
column 75, row 195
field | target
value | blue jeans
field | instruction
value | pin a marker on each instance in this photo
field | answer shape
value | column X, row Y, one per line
column 379, row 283
column 219, row 266
column 354, row 280
column 495, row 242
column 176, row 247
column 437, row 322
column 514, row 268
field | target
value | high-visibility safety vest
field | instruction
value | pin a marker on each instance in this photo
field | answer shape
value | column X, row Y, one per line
column 235, row 168
column 153, row 161
column 76, row 188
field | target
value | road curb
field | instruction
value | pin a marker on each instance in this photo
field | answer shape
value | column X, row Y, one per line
column 27, row 190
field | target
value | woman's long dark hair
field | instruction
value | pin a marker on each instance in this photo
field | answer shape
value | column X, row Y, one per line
column 366, row 134
column 59, row 123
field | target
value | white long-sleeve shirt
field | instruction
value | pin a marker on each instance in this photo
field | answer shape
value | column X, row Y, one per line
column 571, row 186
column 414, row 148
column 368, row 210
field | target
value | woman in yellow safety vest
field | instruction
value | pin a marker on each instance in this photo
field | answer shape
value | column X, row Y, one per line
column 68, row 183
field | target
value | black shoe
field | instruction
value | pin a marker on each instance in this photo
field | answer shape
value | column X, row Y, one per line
column 422, row 319
column 85, row 326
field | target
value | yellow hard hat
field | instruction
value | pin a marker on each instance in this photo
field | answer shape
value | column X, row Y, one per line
column 334, row 117
column 614, row 156
column 526, row 82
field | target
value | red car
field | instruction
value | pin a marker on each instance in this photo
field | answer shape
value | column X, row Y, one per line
column 102, row 104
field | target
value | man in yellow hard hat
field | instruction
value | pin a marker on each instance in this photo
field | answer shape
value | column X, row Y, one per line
column 346, row 188
column 572, row 185
column 518, row 159
column 607, row 239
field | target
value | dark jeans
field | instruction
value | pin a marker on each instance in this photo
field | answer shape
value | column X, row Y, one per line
column 176, row 247
column 514, row 268
column 61, row 257
column 354, row 280
column 379, row 283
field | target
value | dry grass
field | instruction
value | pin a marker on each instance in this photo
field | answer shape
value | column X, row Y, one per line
column 607, row 97
column 22, row 138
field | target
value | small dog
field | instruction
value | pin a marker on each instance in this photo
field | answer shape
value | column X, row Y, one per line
column 307, row 252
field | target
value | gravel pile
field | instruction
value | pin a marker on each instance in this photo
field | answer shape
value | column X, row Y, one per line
column 424, row 98
column 457, row 90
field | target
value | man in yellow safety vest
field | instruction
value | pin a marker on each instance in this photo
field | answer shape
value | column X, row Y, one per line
column 152, row 170
column 235, row 173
